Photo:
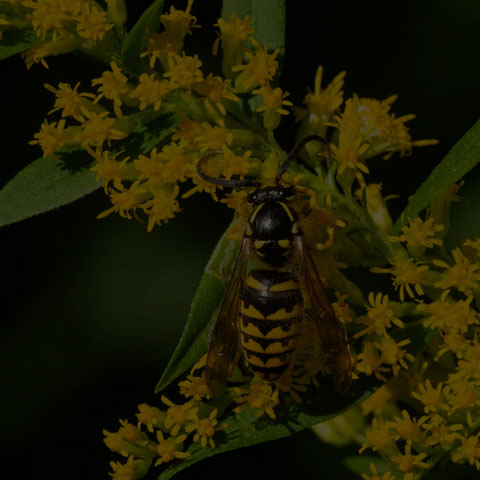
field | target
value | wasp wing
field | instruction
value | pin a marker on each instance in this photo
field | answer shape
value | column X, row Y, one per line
column 223, row 333
column 331, row 331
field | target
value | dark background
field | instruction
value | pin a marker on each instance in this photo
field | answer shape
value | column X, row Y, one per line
column 94, row 308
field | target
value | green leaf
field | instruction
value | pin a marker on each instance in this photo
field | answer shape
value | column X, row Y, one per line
column 44, row 185
column 193, row 343
column 464, row 213
column 136, row 41
column 49, row 183
column 16, row 41
column 269, row 23
column 464, row 155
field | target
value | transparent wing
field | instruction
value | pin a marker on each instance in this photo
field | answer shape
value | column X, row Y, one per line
column 222, row 344
column 331, row 331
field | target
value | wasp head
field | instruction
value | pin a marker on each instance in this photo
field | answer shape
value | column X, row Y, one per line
column 270, row 194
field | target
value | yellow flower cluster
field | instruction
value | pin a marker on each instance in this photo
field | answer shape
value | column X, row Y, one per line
column 442, row 385
column 431, row 296
column 162, row 435
column 62, row 25
column 149, row 182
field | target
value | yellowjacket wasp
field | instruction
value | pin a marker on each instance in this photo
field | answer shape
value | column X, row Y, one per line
column 264, row 307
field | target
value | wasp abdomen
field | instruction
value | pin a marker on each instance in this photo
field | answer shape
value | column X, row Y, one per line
column 271, row 311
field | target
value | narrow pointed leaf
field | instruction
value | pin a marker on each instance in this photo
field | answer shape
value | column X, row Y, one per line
column 136, row 41
column 43, row 185
column 193, row 343
column 464, row 155
column 464, row 213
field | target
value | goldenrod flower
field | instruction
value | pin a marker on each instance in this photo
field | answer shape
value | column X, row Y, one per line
column 376, row 205
column 215, row 90
column 408, row 462
column 379, row 316
column 178, row 23
column 393, row 354
column 46, row 16
column 109, row 169
column 449, row 316
column 168, row 449
column 51, row 137
column 433, row 399
column 150, row 167
column 439, row 432
column 260, row 69
column 379, row 438
column 178, row 415
column 369, row 361
column 163, row 206
column 376, row 476
column 463, row 275
column 112, row 85
column 98, row 128
column 232, row 164
column 151, row 417
column 213, row 137
column 273, row 103
column 39, row 52
column 453, row 342
column 419, row 234
column 408, row 428
column 132, row 470
column 475, row 244
column 204, row 428
column 170, row 165
column 195, row 387
column 183, row 71
column 128, row 437
column 462, row 396
column 406, row 274
column 125, row 200
column 260, row 396
column 237, row 200
column 150, row 91
column 69, row 101
column 159, row 46
column 234, row 35
column 322, row 102
column 469, row 450
column 92, row 22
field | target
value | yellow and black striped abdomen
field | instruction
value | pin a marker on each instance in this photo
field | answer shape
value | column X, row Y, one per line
column 271, row 311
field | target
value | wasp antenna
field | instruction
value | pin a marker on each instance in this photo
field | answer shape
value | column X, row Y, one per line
column 297, row 148
column 221, row 181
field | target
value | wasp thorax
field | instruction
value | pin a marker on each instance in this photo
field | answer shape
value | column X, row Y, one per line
column 272, row 223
